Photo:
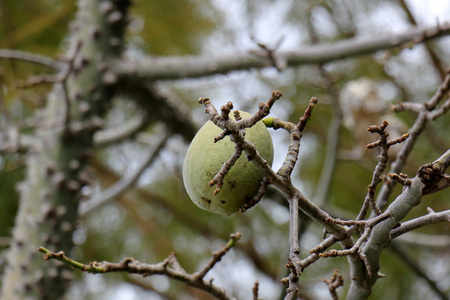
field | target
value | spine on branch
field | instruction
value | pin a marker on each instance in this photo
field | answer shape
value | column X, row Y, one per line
column 50, row 193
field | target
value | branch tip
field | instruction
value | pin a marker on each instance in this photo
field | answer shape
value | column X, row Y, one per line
column 401, row 178
column 203, row 101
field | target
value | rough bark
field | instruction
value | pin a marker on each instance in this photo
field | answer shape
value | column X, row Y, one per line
column 50, row 193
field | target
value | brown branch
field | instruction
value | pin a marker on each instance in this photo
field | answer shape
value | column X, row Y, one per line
column 336, row 281
column 255, row 290
column 258, row 196
column 401, row 178
column 217, row 256
column 170, row 267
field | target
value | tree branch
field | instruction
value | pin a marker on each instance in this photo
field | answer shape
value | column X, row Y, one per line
column 170, row 267
column 380, row 239
column 125, row 130
column 431, row 218
column 414, row 132
column 426, row 240
column 169, row 68
column 125, row 183
column 32, row 58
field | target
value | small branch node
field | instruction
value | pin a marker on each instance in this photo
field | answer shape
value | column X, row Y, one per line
column 237, row 115
column 255, row 290
column 226, row 109
column 397, row 140
column 401, row 178
column 203, row 101
column 336, row 281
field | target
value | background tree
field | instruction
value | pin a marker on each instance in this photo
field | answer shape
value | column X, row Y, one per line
column 94, row 142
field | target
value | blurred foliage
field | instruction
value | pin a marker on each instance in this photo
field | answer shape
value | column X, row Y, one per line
column 171, row 27
column 37, row 26
column 152, row 220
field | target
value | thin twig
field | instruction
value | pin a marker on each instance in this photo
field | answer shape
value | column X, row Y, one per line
column 336, row 281
column 31, row 57
column 255, row 290
column 294, row 142
column 258, row 195
column 169, row 267
column 431, row 218
column 125, row 183
column 382, row 142
column 217, row 256
column 414, row 132
column 434, row 57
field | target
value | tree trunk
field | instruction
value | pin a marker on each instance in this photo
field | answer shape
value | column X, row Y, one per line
column 50, row 193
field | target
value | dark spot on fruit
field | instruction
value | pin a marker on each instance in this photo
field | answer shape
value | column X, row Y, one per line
column 232, row 183
column 223, row 202
column 207, row 200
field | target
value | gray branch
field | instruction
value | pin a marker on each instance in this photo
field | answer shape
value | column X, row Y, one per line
column 169, row 68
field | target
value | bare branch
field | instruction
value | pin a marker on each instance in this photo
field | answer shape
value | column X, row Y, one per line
column 442, row 163
column 217, row 256
column 294, row 247
column 258, row 196
column 333, row 136
column 125, row 183
column 424, row 114
column 441, row 111
column 31, row 57
column 440, row 93
column 255, row 290
column 431, row 51
column 425, row 240
column 125, row 130
column 432, row 174
column 170, row 267
column 380, row 237
column 336, row 281
column 382, row 142
column 161, row 68
column 431, row 218
column 401, row 178
column 294, row 142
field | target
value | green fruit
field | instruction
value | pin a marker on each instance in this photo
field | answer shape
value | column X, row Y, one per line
column 204, row 159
